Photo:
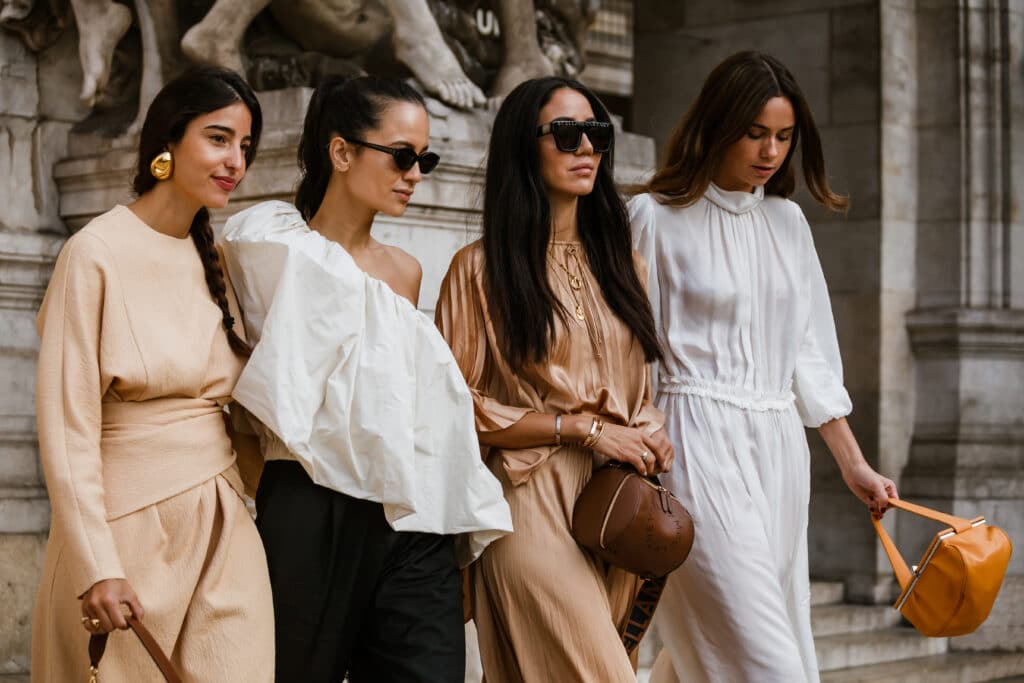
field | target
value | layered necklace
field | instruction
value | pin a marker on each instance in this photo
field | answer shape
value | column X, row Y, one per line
column 575, row 280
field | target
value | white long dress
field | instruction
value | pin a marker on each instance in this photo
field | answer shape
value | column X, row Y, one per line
column 751, row 357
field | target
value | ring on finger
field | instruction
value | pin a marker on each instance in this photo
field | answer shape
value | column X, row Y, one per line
column 91, row 622
column 645, row 455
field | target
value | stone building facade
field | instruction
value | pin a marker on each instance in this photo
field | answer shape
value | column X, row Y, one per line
column 921, row 107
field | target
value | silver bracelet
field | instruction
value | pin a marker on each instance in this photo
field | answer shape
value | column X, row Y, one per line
column 558, row 430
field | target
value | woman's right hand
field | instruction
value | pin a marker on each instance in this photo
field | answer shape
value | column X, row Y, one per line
column 103, row 602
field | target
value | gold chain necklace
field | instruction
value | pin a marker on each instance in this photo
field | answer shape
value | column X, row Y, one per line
column 575, row 281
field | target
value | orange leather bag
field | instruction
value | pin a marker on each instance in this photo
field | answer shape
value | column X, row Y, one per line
column 952, row 590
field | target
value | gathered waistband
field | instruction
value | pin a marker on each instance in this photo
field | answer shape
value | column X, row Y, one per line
column 733, row 394
column 146, row 463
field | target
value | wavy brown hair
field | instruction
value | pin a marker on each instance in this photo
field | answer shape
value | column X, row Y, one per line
column 729, row 102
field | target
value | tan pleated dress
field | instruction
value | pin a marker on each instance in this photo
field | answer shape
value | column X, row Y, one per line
column 134, row 368
column 545, row 609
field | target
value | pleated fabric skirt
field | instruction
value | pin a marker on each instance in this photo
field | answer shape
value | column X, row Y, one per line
column 738, row 610
column 197, row 565
column 545, row 609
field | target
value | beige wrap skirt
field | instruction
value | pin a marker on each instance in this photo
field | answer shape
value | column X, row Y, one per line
column 197, row 565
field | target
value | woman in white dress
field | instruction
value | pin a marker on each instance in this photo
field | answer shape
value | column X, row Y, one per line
column 751, row 358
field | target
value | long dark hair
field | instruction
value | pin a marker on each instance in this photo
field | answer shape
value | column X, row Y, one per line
column 731, row 99
column 198, row 91
column 341, row 106
column 517, row 231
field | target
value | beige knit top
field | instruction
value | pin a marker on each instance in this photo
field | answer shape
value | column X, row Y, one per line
column 134, row 368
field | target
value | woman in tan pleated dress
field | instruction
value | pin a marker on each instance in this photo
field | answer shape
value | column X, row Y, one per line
column 139, row 354
column 549, row 322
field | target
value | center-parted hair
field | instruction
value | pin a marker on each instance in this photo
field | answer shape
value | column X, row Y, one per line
column 730, row 101
column 517, row 231
column 198, row 91
column 346, row 107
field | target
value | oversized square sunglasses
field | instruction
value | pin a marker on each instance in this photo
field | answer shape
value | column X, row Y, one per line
column 569, row 134
column 404, row 156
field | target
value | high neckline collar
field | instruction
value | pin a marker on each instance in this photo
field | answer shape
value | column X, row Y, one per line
column 735, row 201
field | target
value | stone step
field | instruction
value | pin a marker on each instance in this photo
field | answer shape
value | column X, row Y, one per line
column 952, row 667
column 848, row 650
column 831, row 620
column 826, row 592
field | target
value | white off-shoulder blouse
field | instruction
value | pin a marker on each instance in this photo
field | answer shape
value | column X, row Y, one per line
column 354, row 383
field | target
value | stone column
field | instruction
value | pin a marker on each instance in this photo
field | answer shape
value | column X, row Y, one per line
column 967, row 331
column 35, row 117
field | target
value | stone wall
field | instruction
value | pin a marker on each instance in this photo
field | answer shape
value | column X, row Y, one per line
column 36, row 114
column 967, row 327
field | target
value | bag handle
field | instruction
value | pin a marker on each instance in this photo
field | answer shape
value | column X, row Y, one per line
column 899, row 565
column 98, row 645
column 959, row 524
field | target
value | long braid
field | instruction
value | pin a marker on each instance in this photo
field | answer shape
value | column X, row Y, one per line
column 202, row 236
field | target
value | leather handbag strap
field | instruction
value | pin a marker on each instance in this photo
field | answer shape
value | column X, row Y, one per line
column 958, row 523
column 98, row 644
column 899, row 565
column 642, row 612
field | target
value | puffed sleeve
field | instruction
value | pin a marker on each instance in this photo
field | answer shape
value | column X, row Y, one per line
column 818, row 376
column 649, row 419
column 69, row 388
column 460, row 316
column 642, row 225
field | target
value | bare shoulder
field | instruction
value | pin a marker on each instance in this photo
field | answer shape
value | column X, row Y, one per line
column 406, row 273
column 404, row 263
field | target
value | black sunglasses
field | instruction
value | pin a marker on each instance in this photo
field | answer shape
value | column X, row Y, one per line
column 569, row 134
column 404, row 156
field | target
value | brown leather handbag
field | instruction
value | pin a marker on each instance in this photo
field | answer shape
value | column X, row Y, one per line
column 632, row 522
column 950, row 592
column 635, row 523
column 98, row 644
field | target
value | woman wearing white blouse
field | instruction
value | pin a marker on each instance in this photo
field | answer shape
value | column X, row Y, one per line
column 751, row 357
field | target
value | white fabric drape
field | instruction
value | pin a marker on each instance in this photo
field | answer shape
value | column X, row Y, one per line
column 355, row 383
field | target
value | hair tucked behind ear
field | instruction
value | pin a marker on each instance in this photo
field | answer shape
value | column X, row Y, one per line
column 196, row 92
column 346, row 107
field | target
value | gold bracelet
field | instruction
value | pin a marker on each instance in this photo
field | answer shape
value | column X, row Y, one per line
column 590, row 434
column 596, row 427
column 600, row 433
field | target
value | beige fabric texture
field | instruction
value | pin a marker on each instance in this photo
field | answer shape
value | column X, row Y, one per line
column 134, row 369
column 545, row 609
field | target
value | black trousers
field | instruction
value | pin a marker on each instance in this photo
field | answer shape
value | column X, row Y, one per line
column 353, row 596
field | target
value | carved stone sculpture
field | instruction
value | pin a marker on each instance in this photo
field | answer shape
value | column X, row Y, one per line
column 456, row 49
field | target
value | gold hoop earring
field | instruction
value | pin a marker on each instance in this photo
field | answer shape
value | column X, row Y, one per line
column 162, row 166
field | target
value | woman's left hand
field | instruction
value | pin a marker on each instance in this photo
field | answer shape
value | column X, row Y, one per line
column 873, row 489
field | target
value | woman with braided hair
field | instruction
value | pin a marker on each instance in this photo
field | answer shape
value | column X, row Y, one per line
column 140, row 351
